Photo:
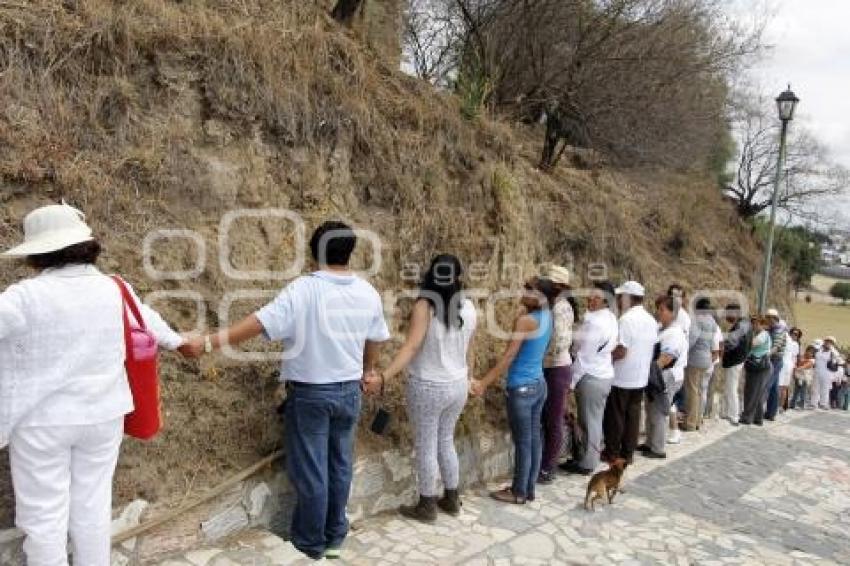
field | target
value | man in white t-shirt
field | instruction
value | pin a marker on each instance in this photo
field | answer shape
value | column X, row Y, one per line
column 672, row 359
column 632, row 358
column 331, row 323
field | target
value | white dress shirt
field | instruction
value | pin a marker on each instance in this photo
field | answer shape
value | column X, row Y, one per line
column 596, row 339
column 638, row 334
column 62, row 350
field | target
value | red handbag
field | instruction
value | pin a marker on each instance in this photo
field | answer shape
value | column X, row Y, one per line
column 142, row 371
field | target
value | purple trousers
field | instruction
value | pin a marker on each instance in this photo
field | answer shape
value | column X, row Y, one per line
column 557, row 383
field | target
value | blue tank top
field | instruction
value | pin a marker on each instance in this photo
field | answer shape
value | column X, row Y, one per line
column 527, row 366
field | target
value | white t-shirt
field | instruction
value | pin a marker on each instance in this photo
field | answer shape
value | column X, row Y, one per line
column 675, row 344
column 638, row 334
column 442, row 356
column 683, row 320
column 716, row 342
column 595, row 339
column 324, row 320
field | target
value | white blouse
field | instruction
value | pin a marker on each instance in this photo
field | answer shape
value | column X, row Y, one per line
column 563, row 317
column 62, row 350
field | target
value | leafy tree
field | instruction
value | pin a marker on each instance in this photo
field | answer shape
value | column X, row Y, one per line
column 841, row 290
column 798, row 247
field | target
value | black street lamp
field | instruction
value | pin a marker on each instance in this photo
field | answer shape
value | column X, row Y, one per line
column 786, row 104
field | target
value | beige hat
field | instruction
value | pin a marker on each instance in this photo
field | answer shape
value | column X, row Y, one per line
column 772, row 312
column 52, row 228
column 557, row 274
column 831, row 339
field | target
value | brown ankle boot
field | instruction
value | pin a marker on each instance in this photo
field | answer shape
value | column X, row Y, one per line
column 425, row 510
column 450, row 503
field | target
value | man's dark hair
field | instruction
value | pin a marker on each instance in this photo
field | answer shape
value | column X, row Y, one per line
column 703, row 304
column 333, row 243
column 667, row 302
column 77, row 254
column 606, row 287
column 675, row 287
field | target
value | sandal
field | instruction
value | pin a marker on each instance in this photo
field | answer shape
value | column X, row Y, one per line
column 506, row 495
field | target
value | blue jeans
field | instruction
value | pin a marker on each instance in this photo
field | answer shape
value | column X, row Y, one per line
column 799, row 398
column 773, row 391
column 525, row 409
column 320, row 424
column 844, row 396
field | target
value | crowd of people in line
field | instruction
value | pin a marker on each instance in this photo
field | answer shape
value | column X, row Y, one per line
column 589, row 377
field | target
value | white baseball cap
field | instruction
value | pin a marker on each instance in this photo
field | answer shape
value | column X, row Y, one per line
column 52, row 228
column 772, row 312
column 632, row 288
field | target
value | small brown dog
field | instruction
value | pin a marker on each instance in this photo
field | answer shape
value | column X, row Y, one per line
column 605, row 484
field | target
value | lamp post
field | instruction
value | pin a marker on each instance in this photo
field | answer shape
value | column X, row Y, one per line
column 786, row 103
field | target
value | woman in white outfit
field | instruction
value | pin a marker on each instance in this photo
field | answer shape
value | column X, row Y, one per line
column 64, row 390
column 437, row 350
column 825, row 357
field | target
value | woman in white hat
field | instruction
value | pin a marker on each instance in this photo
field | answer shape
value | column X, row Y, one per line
column 63, row 388
column 556, row 369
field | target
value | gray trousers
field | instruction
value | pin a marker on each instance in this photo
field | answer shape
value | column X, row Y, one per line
column 591, row 394
column 658, row 415
column 434, row 408
column 756, row 385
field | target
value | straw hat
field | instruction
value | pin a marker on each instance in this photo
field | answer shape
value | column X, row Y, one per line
column 51, row 228
column 557, row 274
column 830, row 339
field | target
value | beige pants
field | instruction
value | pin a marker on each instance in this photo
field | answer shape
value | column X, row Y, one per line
column 693, row 397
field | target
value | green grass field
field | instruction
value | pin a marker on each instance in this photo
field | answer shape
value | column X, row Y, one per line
column 819, row 319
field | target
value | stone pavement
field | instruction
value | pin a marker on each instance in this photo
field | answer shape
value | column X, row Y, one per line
column 749, row 495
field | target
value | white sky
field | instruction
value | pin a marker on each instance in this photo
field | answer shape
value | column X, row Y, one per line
column 811, row 50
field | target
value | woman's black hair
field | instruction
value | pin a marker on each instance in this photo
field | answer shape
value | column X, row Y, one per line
column 77, row 254
column 442, row 287
column 546, row 288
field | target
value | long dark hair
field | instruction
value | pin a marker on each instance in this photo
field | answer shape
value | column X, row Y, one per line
column 442, row 287
column 76, row 254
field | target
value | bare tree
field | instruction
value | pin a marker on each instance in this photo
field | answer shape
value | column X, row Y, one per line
column 809, row 176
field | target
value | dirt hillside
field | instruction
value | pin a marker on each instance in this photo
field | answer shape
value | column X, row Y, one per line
column 158, row 114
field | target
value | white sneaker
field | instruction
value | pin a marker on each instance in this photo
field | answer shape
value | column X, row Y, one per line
column 674, row 437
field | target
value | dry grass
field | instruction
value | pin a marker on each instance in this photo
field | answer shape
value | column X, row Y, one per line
column 818, row 320
column 161, row 114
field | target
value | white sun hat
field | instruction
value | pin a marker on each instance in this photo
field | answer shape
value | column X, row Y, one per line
column 632, row 288
column 52, row 228
column 557, row 274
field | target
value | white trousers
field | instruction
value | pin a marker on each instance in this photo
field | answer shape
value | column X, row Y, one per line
column 63, row 483
column 731, row 406
column 820, row 391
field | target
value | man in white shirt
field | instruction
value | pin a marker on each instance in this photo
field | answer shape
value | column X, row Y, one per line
column 672, row 358
column 331, row 323
column 593, row 371
column 682, row 319
column 632, row 359
column 824, row 357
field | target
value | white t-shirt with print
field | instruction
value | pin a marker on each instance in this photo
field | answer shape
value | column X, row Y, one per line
column 674, row 343
column 324, row 320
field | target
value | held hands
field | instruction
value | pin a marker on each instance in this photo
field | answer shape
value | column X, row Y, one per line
column 193, row 347
column 372, row 382
column 477, row 387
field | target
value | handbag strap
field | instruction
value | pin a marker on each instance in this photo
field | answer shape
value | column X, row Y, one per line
column 128, row 302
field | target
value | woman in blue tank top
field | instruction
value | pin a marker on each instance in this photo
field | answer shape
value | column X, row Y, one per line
column 526, row 388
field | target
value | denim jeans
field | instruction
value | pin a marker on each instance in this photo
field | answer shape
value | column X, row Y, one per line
column 320, row 424
column 525, row 408
column 799, row 397
column 773, row 390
